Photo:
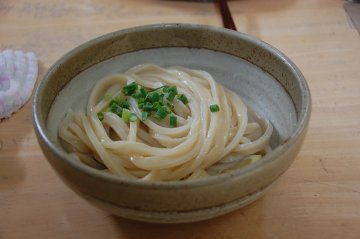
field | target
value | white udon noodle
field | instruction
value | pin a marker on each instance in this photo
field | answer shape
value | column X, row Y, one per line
column 204, row 143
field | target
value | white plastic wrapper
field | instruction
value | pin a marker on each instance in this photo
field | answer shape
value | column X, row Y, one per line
column 18, row 74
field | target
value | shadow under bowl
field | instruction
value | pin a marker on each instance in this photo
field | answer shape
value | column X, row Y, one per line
column 264, row 77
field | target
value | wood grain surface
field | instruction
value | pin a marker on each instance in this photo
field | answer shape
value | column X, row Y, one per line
column 318, row 197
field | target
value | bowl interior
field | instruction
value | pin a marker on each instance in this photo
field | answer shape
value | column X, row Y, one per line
column 258, row 89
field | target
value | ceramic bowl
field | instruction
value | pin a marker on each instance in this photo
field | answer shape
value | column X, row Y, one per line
column 264, row 77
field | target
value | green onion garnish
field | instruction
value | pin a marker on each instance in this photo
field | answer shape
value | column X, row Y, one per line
column 100, row 116
column 170, row 95
column 118, row 111
column 173, row 121
column 148, row 106
column 136, row 95
column 125, row 105
column 171, row 89
column 214, row 108
column 161, row 113
column 143, row 92
column 158, row 100
column 132, row 117
column 114, row 108
column 162, row 88
column 125, row 115
column 130, row 89
column 157, row 105
column 144, row 115
column 141, row 100
column 183, row 98
column 153, row 97
column 113, row 103
column 118, row 99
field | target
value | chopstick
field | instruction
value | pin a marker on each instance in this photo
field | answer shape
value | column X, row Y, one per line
column 228, row 21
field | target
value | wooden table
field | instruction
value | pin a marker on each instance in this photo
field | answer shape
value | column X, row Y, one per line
column 318, row 197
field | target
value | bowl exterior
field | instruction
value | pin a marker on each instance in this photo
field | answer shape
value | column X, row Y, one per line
column 177, row 205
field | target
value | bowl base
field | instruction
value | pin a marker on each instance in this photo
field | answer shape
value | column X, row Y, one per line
column 172, row 217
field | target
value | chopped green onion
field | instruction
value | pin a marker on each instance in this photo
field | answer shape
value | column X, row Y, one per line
column 143, row 92
column 157, row 100
column 148, row 106
column 214, row 108
column 130, row 89
column 153, row 97
column 171, row 89
column 161, row 113
column 157, row 105
column 113, row 103
column 125, row 115
column 136, row 95
column 141, row 100
column 144, row 115
column 161, row 99
column 170, row 95
column 100, row 116
column 132, row 117
column 118, row 99
column 183, row 98
column 125, row 105
column 118, row 111
column 173, row 121
column 114, row 108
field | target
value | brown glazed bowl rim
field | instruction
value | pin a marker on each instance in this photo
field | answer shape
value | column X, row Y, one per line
column 303, row 115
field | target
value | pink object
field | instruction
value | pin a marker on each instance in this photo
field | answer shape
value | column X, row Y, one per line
column 18, row 74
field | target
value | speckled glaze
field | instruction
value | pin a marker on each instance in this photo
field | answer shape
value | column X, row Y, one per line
column 183, row 201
